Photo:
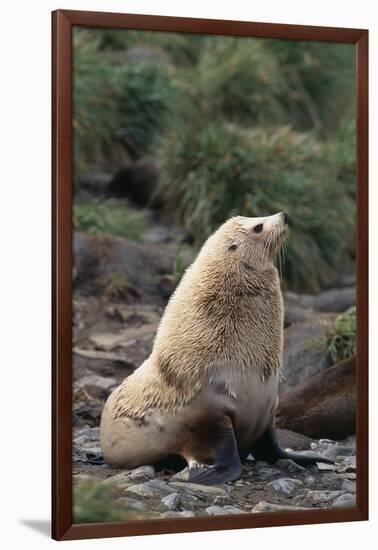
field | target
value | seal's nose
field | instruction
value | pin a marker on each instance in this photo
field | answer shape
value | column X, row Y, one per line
column 285, row 218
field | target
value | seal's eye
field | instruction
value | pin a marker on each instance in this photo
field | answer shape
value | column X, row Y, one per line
column 233, row 246
column 258, row 228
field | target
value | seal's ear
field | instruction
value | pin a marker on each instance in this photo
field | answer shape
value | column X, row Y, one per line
column 233, row 246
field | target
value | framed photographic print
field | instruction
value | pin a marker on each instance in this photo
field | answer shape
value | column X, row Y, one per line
column 210, row 252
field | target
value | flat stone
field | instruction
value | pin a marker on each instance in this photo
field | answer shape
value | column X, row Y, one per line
column 286, row 485
column 159, row 486
column 223, row 510
column 108, row 341
column 121, row 480
column 199, row 490
column 345, row 501
column 347, row 475
column 270, row 507
column 142, row 490
column 143, row 473
column 171, row 501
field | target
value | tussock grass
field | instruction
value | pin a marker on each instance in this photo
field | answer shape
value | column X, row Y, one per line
column 109, row 217
column 214, row 171
column 341, row 341
column 95, row 502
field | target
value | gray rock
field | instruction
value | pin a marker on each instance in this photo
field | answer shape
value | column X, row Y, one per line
column 286, row 485
column 223, row 510
column 155, row 487
column 86, row 435
column 270, row 507
column 143, row 473
column 159, row 485
column 142, row 490
column 346, row 475
column 336, row 300
column 96, row 355
column 95, row 380
column 304, row 353
column 98, row 258
column 125, row 337
column 348, row 486
column 345, row 501
column 86, row 442
column 120, row 480
column 171, row 501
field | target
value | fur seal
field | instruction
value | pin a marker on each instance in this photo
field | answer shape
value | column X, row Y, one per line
column 208, row 391
column 324, row 405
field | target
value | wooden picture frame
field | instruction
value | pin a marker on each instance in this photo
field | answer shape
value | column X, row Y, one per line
column 62, row 23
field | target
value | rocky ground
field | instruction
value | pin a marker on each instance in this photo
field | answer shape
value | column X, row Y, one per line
column 115, row 320
column 262, row 488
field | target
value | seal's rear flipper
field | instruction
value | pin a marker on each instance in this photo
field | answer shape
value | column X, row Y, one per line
column 268, row 449
column 212, row 453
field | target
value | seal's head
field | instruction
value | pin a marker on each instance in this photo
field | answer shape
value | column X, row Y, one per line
column 253, row 242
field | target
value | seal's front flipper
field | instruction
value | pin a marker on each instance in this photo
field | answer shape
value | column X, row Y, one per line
column 212, row 453
column 268, row 449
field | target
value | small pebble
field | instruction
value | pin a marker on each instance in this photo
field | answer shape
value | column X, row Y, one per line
column 270, row 507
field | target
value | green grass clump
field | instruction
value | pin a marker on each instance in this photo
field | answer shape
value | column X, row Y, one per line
column 117, row 101
column 109, row 217
column 211, row 171
column 180, row 48
column 143, row 94
column 95, row 502
column 341, row 341
column 319, row 81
